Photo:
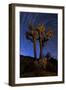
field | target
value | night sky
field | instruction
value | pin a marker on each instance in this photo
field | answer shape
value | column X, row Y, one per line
column 49, row 20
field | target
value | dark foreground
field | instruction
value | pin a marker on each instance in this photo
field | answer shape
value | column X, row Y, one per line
column 29, row 67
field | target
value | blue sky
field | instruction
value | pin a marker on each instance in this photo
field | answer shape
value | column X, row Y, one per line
column 49, row 20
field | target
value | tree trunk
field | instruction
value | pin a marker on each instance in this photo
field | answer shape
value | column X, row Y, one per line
column 34, row 48
column 40, row 48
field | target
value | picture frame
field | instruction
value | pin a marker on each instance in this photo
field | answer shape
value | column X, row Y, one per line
column 41, row 65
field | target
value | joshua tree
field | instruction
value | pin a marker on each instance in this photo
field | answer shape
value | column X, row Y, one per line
column 43, row 36
column 32, row 35
column 48, row 56
column 40, row 34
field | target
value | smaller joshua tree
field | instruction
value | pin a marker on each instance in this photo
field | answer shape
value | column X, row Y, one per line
column 32, row 36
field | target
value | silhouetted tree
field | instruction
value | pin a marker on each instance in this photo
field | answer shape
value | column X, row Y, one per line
column 48, row 56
